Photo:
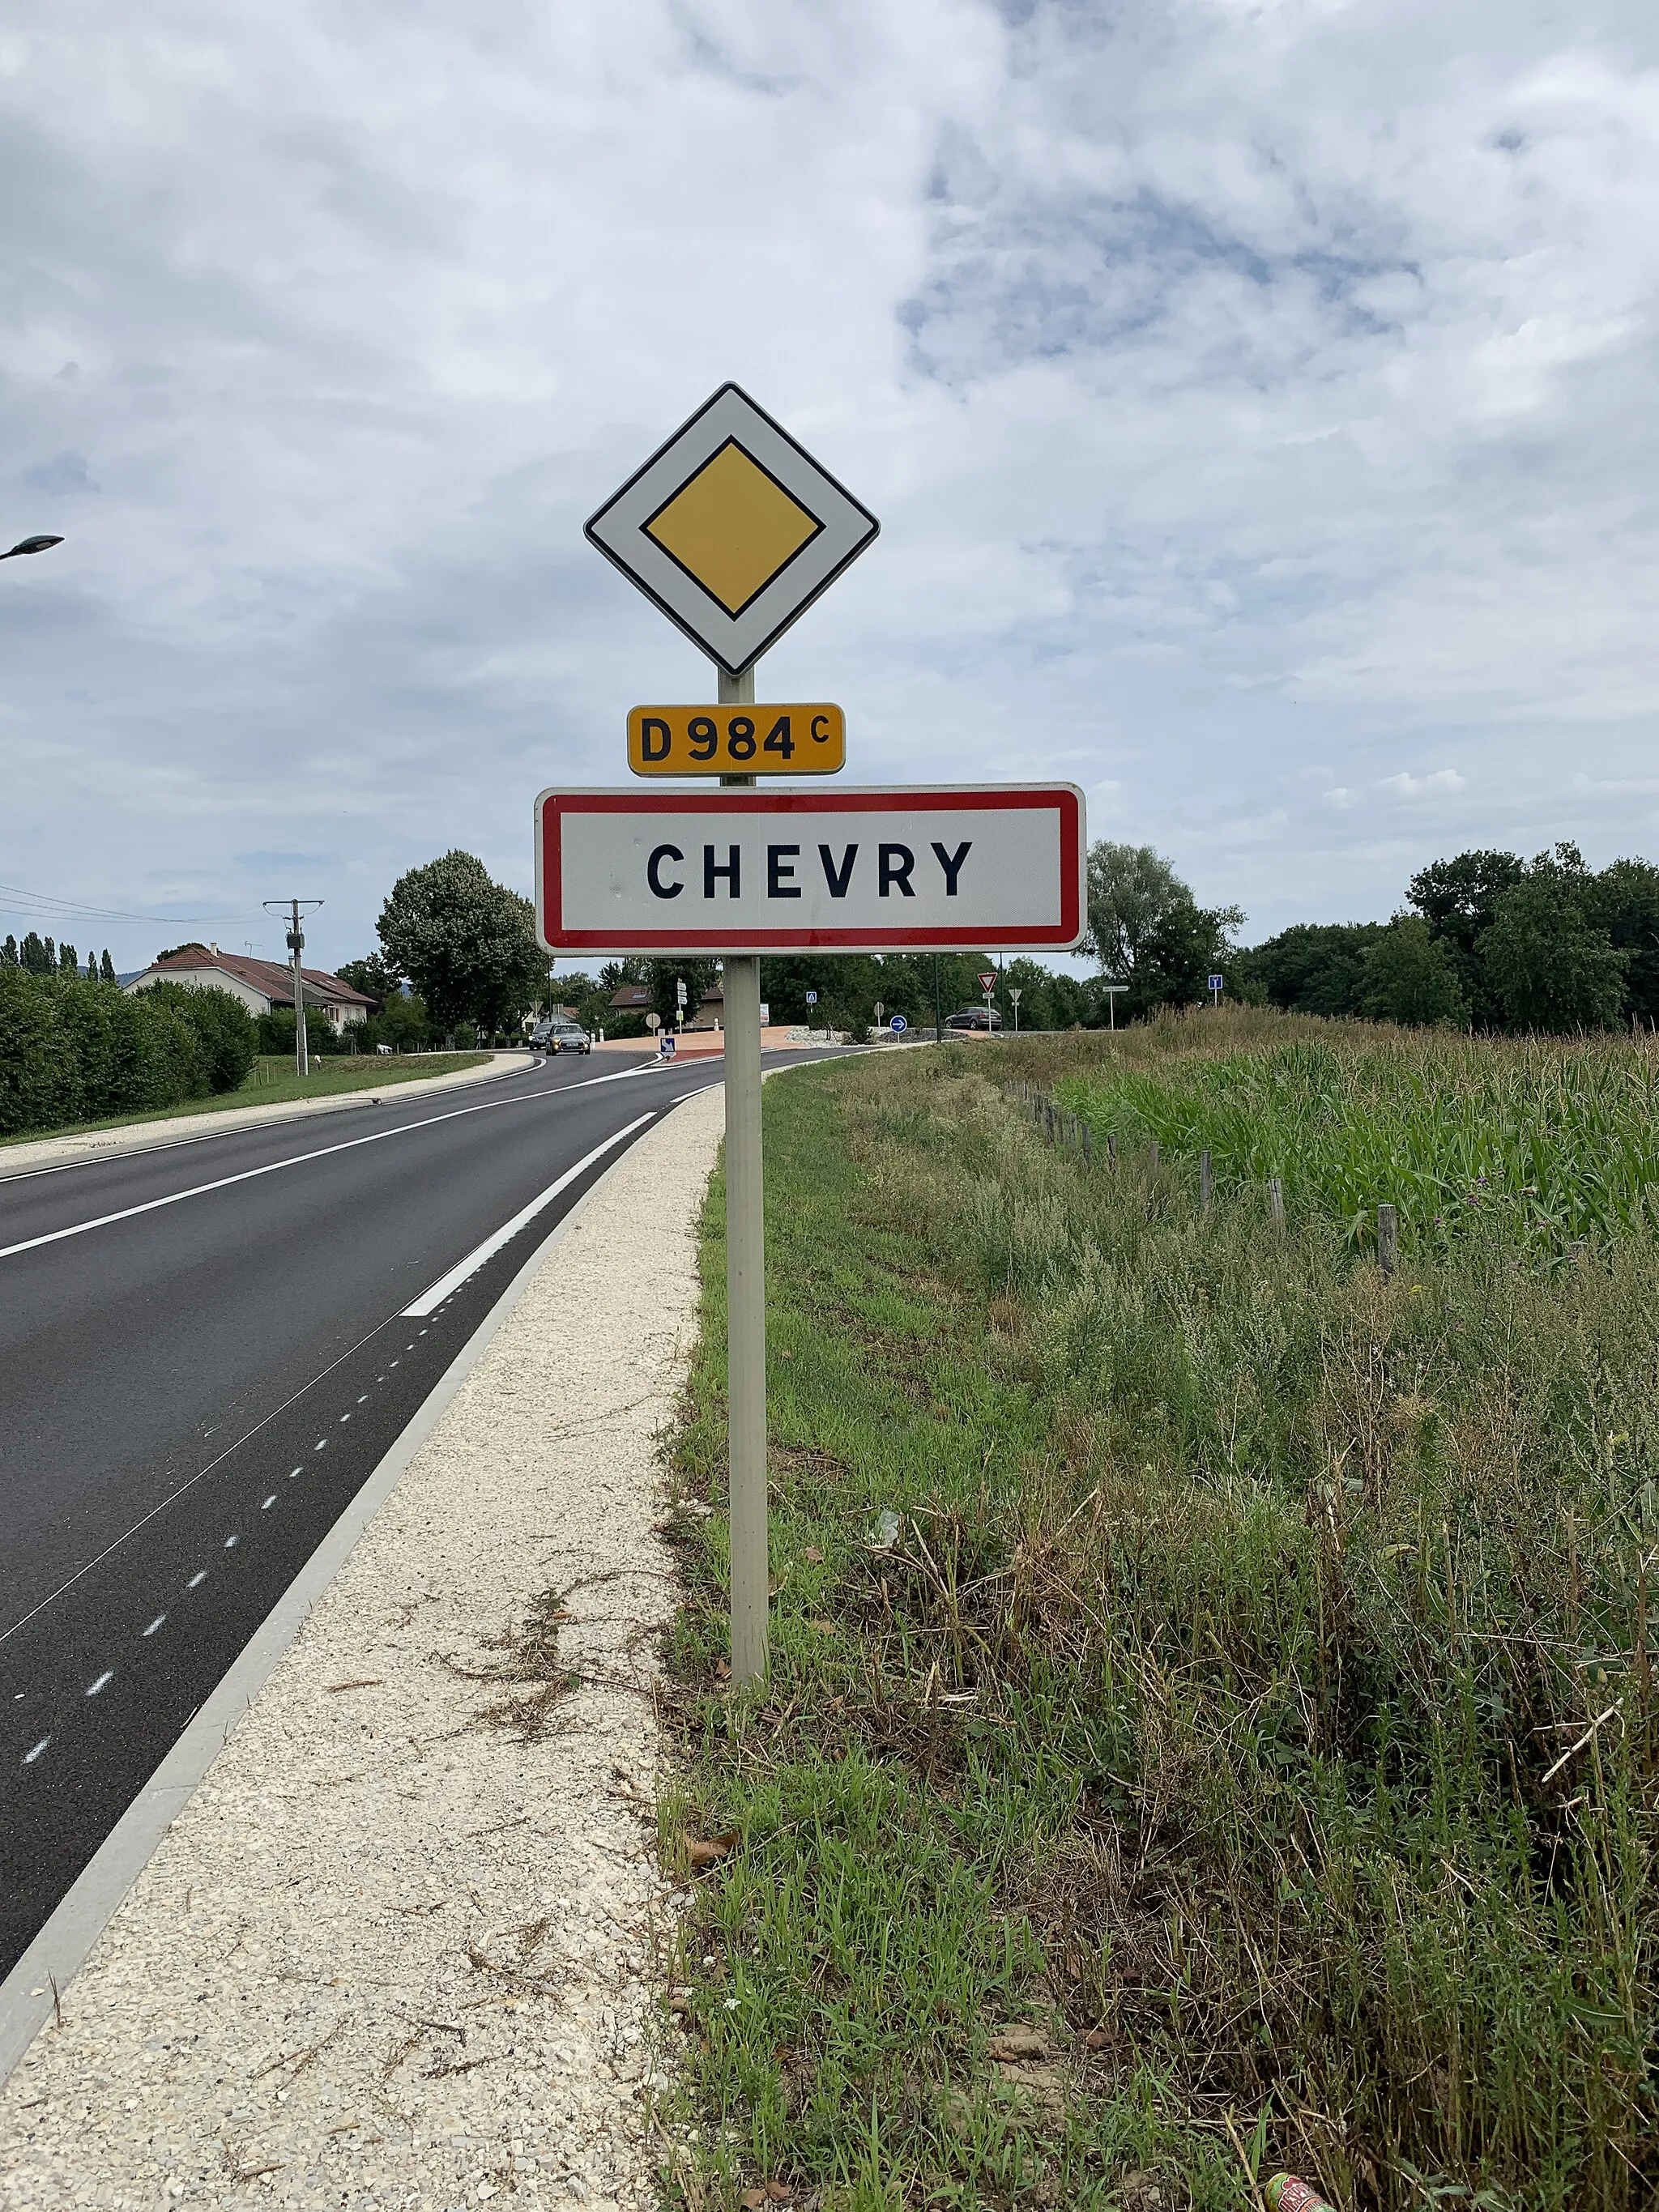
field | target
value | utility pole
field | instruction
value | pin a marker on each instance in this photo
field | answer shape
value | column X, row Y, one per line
column 296, row 946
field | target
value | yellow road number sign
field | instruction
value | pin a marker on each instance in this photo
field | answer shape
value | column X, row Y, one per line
column 792, row 740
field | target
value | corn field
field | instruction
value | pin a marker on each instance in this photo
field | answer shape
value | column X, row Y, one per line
column 1543, row 1141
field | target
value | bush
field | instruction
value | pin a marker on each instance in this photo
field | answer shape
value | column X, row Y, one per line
column 275, row 1034
column 227, row 1032
column 72, row 1050
column 401, row 1023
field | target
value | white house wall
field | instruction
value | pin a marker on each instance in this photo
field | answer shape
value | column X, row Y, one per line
column 206, row 979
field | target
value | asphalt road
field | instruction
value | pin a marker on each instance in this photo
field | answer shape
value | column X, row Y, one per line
column 205, row 1350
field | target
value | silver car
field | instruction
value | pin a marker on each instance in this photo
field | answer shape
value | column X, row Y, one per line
column 560, row 1036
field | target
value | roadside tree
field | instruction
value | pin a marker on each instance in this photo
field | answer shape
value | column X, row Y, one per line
column 1545, row 964
column 1409, row 976
column 466, row 943
column 1312, row 967
column 1624, row 900
column 1458, row 899
column 1146, row 929
column 374, row 975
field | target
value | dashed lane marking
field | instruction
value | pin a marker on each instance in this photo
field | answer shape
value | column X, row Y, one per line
column 469, row 1266
column 94, row 1689
column 446, row 1286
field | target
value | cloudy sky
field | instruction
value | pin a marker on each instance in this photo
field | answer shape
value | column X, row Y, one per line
column 1258, row 399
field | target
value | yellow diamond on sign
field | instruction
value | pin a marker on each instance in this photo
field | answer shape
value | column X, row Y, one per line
column 733, row 527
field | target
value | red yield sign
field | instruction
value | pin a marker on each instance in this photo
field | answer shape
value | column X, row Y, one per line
column 933, row 868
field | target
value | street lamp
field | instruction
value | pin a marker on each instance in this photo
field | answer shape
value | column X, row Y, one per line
column 30, row 545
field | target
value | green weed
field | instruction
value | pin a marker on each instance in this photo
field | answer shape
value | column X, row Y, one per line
column 1244, row 1752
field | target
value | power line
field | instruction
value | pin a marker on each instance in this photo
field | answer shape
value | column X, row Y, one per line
column 47, row 907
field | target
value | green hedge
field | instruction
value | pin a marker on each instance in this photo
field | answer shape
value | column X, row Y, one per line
column 75, row 1050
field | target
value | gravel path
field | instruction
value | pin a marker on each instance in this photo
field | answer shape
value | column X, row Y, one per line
column 396, row 1952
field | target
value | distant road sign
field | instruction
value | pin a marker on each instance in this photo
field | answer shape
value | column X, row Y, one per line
column 898, row 1026
column 731, row 528
column 1215, row 982
column 987, row 982
column 811, row 997
column 653, row 1021
column 789, row 740
column 751, row 870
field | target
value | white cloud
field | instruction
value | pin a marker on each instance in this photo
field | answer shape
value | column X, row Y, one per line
column 1244, row 392
column 1627, row 787
column 1404, row 786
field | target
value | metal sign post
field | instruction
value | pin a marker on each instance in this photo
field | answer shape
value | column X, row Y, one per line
column 733, row 530
column 745, row 1287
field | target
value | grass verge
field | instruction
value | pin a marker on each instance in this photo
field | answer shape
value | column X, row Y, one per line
column 329, row 1079
column 1210, row 1726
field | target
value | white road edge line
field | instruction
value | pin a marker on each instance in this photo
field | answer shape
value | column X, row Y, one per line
column 63, row 1946
column 298, row 1160
column 341, row 1101
column 430, row 1300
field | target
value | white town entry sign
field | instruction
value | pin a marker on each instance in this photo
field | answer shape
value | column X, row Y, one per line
column 922, row 868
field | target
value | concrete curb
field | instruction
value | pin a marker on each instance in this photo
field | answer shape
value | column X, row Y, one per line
column 29, row 1993
column 36, row 1155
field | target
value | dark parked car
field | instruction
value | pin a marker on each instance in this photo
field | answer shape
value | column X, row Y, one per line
column 975, row 1017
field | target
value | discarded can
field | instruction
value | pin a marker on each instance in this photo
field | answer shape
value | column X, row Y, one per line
column 1287, row 2192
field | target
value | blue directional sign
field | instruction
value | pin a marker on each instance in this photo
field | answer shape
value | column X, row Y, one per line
column 898, row 1026
column 1215, row 982
column 811, row 997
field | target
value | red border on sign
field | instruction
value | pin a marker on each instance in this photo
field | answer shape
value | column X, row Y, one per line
column 1063, row 799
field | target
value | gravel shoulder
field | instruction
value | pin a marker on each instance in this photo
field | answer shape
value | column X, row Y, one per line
column 398, row 1949
column 181, row 1129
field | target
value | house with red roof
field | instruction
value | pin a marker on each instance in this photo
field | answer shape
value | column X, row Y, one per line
column 262, row 986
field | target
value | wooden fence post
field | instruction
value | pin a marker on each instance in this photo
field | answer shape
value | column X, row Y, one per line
column 1276, row 1201
column 1151, row 1152
column 1088, row 1148
column 1111, row 1150
column 1204, row 1183
column 1388, row 1240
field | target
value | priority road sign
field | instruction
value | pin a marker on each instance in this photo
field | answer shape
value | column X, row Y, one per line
column 790, row 740
column 738, row 871
column 731, row 528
